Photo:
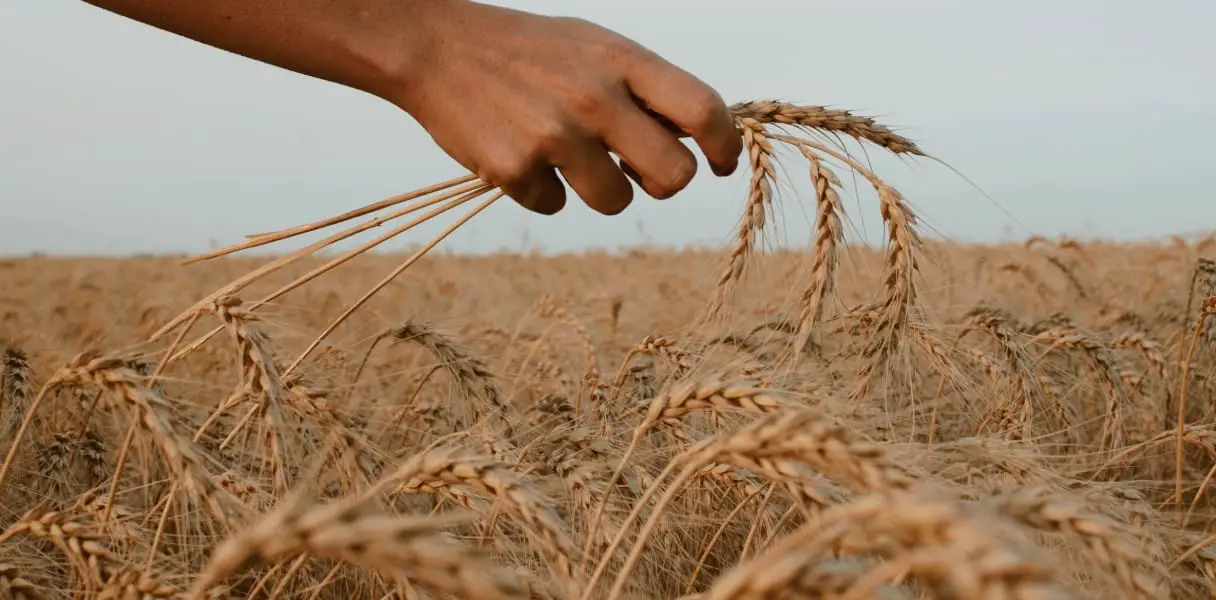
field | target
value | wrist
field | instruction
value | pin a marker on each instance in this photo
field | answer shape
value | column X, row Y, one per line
column 405, row 46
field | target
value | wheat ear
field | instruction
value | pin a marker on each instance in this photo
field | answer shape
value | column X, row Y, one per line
column 957, row 550
column 393, row 545
column 13, row 585
column 811, row 118
column 755, row 212
column 442, row 469
column 828, row 236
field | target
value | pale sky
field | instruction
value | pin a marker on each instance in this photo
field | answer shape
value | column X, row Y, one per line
column 1084, row 117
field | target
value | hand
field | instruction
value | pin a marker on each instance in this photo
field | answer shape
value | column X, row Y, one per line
column 513, row 96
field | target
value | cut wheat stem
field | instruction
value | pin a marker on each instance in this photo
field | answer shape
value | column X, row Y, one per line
column 262, row 239
column 453, row 199
column 391, row 276
column 244, row 281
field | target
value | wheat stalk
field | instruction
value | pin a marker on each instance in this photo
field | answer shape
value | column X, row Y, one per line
column 954, row 549
column 829, row 234
column 346, row 530
column 16, row 587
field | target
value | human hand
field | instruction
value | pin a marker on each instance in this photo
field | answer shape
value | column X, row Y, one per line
column 514, row 97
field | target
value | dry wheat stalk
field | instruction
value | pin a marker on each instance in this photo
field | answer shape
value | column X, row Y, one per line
column 1112, row 548
column 1028, row 273
column 829, row 235
column 713, row 394
column 954, row 549
column 548, row 307
column 15, row 587
column 901, row 269
column 14, row 389
column 470, row 374
column 1114, row 428
column 134, row 584
column 393, row 545
column 443, row 468
column 811, row 118
column 1021, row 410
column 655, row 346
column 460, row 195
column 15, row 376
column 1203, row 282
column 779, row 445
column 260, row 381
column 1207, row 308
column 79, row 539
column 121, row 522
column 153, row 414
column 1152, row 350
column 1070, row 275
column 761, row 157
column 809, row 437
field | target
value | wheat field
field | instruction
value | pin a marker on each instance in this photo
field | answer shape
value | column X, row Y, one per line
column 922, row 420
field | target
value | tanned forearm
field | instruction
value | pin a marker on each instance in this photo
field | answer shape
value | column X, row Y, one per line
column 370, row 45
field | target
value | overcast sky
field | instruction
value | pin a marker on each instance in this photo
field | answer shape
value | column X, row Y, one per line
column 1085, row 117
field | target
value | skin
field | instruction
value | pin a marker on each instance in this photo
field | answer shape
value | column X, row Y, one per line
column 514, row 97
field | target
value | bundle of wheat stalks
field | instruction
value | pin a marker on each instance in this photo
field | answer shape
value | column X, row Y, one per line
column 776, row 450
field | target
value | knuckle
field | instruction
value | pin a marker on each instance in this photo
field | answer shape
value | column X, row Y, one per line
column 602, row 42
column 589, row 103
column 702, row 109
column 548, row 137
column 506, row 170
column 621, row 50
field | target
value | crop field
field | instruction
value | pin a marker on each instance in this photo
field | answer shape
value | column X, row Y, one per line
column 919, row 420
column 583, row 424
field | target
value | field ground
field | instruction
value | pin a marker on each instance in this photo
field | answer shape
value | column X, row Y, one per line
column 1022, row 439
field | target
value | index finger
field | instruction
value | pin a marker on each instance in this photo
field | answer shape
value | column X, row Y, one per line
column 695, row 109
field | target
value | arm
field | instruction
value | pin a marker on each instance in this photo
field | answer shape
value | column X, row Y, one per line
column 362, row 44
column 512, row 96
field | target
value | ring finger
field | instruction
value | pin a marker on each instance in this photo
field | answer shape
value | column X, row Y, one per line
column 595, row 177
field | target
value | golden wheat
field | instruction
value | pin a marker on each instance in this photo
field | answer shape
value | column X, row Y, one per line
column 1007, row 430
